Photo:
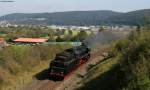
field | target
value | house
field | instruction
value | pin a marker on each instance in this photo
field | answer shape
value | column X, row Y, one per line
column 30, row 41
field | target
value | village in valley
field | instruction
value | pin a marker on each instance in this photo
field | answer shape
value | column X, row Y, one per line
column 53, row 34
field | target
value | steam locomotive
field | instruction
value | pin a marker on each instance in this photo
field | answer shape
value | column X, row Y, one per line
column 68, row 60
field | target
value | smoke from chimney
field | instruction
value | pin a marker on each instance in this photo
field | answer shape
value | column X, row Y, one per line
column 102, row 38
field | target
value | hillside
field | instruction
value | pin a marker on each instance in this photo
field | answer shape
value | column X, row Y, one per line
column 101, row 17
column 132, row 18
column 61, row 18
column 131, row 70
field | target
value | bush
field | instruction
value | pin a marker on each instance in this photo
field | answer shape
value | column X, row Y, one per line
column 134, row 62
column 131, row 70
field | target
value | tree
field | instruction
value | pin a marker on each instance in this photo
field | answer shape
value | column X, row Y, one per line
column 101, row 29
column 59, row 39
column 51, row 36
column 82, row 35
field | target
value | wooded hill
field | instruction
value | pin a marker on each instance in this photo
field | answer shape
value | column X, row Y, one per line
column 99, row 17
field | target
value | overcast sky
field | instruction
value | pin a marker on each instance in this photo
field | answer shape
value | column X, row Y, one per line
column 35, row 6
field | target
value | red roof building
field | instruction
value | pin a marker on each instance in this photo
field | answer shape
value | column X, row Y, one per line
column 30, row 40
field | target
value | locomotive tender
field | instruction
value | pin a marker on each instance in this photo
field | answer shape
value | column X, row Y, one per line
column 68, row 60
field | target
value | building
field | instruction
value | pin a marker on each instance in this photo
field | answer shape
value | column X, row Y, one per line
column 33, row 41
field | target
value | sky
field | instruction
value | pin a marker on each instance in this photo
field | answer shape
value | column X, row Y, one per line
column 37, row 6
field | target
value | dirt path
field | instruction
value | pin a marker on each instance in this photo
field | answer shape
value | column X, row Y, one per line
column 41, row 82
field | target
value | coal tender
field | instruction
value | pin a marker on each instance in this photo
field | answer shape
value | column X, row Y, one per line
column 68, row 60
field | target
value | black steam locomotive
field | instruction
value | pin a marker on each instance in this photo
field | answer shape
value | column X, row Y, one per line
column 68, row 60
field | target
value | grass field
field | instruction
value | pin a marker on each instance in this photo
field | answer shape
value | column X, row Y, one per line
column 18, row 64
